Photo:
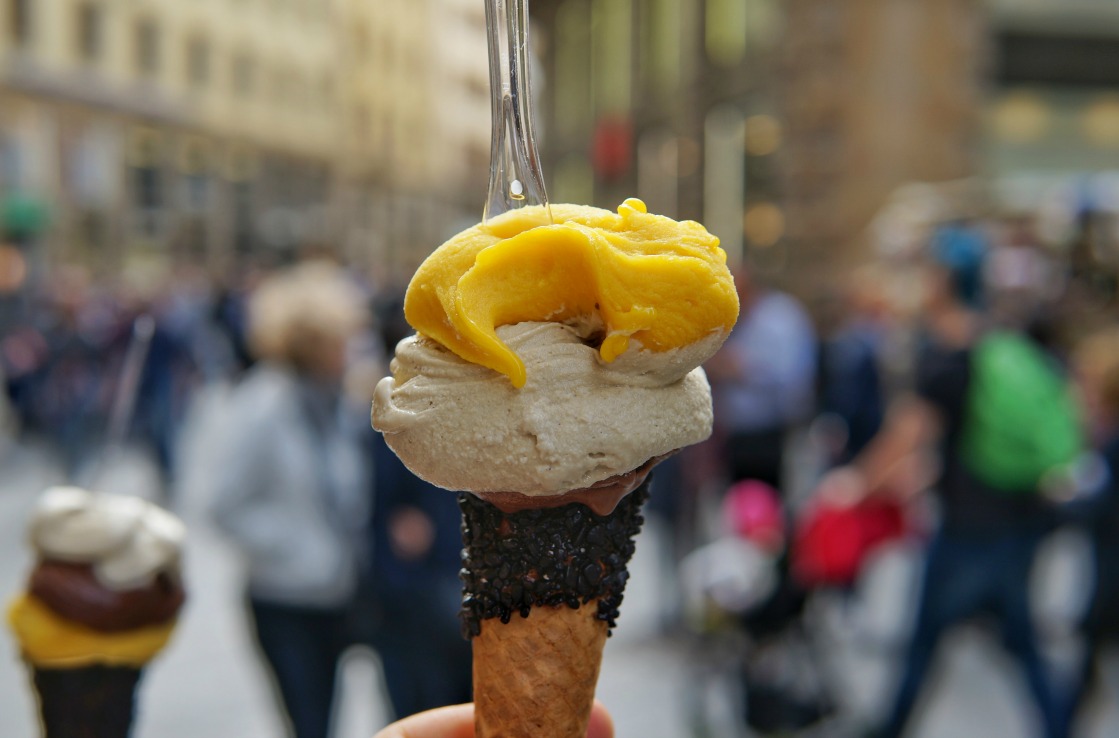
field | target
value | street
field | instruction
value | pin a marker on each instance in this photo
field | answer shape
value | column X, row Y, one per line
column 209, row 681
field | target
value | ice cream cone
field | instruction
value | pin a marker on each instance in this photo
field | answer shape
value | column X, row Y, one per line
column 536, row 676
column 89, row 702
column 101, row 601
column 557, row 358
column 542, row 590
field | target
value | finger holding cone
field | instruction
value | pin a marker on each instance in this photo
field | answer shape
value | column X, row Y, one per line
column 457, row 721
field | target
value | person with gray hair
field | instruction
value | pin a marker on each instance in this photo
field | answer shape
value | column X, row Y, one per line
column 292, row 484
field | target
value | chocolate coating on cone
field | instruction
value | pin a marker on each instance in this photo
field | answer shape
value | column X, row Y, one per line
column 552, row 557
column 602, row 497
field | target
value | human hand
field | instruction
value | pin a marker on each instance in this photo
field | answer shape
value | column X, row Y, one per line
column 411, row 533
column 724, row 366
column 911, row 475
column 457, row 721
column 844, row 486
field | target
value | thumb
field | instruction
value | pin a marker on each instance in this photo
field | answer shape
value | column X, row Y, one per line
column 601, row 724
column 444, row 722
column 458, row 722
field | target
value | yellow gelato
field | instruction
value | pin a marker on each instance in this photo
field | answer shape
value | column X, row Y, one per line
column 51, row 641
column 627, row 275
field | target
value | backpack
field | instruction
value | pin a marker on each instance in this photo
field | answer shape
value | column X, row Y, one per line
column 1020, row 417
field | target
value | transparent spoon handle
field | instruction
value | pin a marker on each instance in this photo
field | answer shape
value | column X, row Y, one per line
column 515, row 176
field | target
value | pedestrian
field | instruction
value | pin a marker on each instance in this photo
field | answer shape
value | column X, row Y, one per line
column 993, row 517
column 762, row 381
column 1096, row 362
column 415, row 589
column 851, row 387
column 763, row 384
column 165, row 383
column 292, row 492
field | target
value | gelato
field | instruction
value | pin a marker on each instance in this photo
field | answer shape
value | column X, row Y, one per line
column 101, row 602
column 562, row 354
column 554, row 364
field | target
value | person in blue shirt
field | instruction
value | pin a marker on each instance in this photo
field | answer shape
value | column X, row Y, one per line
column 762, row 381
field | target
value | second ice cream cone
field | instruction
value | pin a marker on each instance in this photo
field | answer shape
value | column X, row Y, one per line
column 102, row 600
column 91, row 702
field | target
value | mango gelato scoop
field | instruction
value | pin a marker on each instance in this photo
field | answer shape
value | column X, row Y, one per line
column 551, row 356
column 631, row 275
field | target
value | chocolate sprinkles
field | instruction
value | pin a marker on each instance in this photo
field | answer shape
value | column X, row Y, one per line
column 548, row 557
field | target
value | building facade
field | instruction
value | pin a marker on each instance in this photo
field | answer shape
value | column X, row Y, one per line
column 210, row 131
column 876, row 95
column 414, row 169
column 783, row 126
column 1051, row 119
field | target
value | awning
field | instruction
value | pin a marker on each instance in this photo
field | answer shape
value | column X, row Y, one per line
column 22, row 216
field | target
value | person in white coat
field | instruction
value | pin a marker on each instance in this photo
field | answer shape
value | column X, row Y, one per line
column 292, row 484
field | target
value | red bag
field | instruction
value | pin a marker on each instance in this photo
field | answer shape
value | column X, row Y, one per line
column 832, row 542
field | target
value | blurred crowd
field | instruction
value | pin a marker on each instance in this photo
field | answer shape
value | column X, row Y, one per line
column 962, row 389
column 64, row 338
column 343, row 546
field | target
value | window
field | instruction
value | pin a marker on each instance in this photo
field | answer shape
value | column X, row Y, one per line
column 148, row 188
column 1062, row 59
column 146, row 47
column 362, row 123
column 611, row 55
column 360, row 43
column 88, row 40
column 19, row 21
column 244, row 75
column 573, row 71
column 726, row 31
column 243, row 220
column 9, row 162
column 278, row 87
column 297, row 92
column 198, row 62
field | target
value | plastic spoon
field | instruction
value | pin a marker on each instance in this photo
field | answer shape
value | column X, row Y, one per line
column 515, row 176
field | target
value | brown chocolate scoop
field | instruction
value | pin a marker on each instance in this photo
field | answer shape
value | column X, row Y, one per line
column 601, row 497
column 73, row 592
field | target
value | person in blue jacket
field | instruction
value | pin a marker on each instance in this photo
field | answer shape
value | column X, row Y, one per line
column 1096, row 362
column 415, row 588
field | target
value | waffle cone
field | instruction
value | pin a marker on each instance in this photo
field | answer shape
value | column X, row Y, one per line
column 541, row 591
column 535, row 677
column 86, row 702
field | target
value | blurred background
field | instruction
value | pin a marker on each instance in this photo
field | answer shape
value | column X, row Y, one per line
column 167, row 159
